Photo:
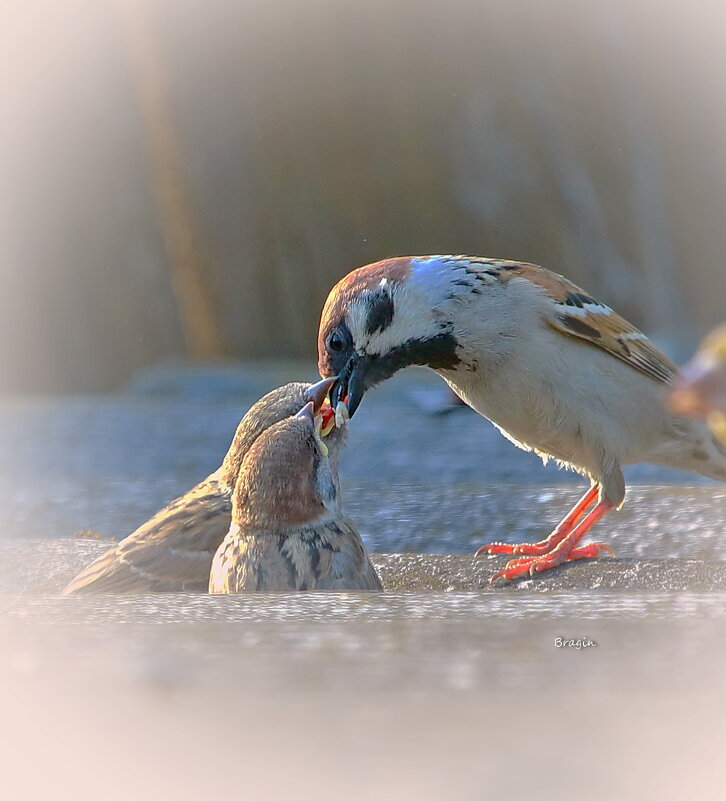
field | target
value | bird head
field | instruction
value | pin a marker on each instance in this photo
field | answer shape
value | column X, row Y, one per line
column 381, row 318
column 277, row 405
column 285, row 478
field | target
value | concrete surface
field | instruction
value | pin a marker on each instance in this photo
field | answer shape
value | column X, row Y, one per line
column 44, row 567
column 599, row 681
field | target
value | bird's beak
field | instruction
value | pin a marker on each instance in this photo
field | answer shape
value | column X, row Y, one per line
column 700, row 388
column 351, row 383
column 317, row 393
column 307, row 413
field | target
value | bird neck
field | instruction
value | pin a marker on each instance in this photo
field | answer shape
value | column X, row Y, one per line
column 275, row 499
column 280, row 519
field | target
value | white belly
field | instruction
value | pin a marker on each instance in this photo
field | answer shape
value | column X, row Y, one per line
column 570, row 401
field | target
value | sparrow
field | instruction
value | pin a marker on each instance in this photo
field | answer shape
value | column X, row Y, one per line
column 172, row 552
column 287, row 531
column 556, row 371
column 700, row 390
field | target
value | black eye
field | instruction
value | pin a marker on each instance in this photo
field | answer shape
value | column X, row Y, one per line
column 336, row 341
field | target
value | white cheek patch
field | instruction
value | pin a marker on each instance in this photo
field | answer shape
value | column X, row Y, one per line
column 357, row 319
column 413, row 318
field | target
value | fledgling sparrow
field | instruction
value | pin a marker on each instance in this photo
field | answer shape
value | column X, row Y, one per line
column 555, row 370
column 287, row 531
column 172, row 552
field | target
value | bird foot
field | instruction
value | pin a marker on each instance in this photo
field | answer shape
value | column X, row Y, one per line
column 537, row 564
column 519, row 548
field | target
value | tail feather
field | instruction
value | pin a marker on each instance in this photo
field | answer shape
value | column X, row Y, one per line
column 102, row 575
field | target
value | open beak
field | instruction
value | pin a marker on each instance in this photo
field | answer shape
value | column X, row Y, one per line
column 325, row 417
column 350, row 386
column 307, row 413
column 317, row 393
column 315, row 419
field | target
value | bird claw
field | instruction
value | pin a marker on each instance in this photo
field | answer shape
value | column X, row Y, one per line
column 500, row 575
column 494, row 548
column 516, row 549
column 590, row 551
column 539, row 564
column 527, row 565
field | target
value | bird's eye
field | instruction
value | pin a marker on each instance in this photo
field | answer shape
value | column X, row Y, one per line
column 336, row 341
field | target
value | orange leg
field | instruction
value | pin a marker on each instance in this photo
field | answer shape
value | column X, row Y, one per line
column 565, row 550
column 563, row 528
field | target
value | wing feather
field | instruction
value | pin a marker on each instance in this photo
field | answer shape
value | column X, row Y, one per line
column 171, row 552
column 577, row 314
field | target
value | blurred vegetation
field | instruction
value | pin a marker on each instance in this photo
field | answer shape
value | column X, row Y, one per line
column 188, row 179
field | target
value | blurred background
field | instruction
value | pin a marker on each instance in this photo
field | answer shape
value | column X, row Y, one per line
column 182, row 181
column 187, row 180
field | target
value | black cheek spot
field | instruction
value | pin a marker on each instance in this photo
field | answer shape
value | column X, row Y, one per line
column 381, row 312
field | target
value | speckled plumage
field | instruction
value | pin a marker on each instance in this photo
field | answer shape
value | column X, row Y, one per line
column 172, row 552
column 556, row 371
column 287, row 532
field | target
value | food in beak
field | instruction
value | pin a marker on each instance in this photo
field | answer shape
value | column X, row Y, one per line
column 341, row 414
column 326, row 419
column 323, row 428
column 323, row 446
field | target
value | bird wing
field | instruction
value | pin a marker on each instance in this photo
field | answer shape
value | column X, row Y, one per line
column 171, row 552
column 577, row 314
